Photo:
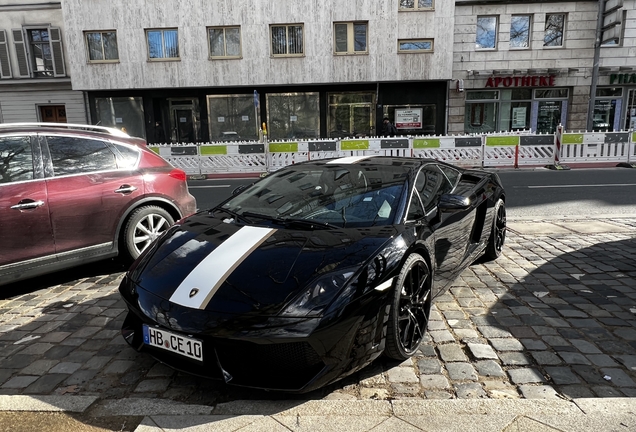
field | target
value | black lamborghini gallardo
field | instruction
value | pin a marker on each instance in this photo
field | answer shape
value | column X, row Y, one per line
column 312, row 272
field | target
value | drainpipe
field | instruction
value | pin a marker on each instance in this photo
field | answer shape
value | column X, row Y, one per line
column 597, row 55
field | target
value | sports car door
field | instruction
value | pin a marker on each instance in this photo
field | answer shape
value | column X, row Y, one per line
column 451, row 229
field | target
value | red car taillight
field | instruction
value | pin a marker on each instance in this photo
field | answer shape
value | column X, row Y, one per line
column 178, row 174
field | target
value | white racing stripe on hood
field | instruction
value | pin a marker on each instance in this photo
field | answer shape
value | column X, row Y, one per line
column 210, row 273
column 349, row 159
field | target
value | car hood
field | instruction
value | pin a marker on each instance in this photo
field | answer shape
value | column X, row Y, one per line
column 205, row 263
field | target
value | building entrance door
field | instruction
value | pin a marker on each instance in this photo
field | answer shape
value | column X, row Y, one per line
column 53, row 113
column 184, row 120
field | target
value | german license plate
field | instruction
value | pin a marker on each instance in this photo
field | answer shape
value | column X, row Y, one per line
column 173, row 342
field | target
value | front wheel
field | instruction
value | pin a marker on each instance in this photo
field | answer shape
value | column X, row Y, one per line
column 497, row 233
column 410, row 309
column 143, row 227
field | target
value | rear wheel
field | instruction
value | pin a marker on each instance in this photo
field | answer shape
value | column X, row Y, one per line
column 143, row 227
column 410, row 309
column 497, row 233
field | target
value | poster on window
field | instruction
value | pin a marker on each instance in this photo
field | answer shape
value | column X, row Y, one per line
column 519, row 117
column 410, row 118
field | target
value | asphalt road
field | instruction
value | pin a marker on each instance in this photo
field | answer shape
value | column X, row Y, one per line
column 530, row 192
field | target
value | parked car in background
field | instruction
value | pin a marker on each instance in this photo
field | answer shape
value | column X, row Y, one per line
column 312, row 272
column 73, row 194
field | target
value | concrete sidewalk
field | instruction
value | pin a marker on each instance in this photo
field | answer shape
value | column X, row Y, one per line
column 78, row 413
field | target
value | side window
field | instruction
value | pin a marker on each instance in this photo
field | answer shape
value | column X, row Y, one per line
column 79, row 155
column 16, row 159
column 416, row 211
column 430, row 184
column 126, row 156
column 451, row 174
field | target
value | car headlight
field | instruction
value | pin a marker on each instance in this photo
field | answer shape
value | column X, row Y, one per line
column 319, row 294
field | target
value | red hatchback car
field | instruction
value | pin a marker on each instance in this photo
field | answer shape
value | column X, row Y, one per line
column 73, row 194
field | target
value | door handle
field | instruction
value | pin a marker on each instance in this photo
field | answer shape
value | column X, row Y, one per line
column 126, row 189
column 27, row 204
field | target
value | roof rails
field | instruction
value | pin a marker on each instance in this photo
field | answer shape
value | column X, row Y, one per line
column 108, row 130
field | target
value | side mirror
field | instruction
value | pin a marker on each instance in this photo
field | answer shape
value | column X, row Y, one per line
column 241, row 188
column 450, row 202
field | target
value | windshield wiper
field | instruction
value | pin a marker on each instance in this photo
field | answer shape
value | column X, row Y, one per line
column 235, row 215
column 288, row 221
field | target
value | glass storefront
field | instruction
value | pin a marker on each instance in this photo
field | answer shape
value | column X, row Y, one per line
column 293, row 115
column 607, row 109
column 538, row 110
column 351, row 115
column 233, row 118
column 412, row 119
column 124, row 113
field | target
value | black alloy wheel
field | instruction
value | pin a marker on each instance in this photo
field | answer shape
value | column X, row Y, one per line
column 410, row 309
column 498, row 232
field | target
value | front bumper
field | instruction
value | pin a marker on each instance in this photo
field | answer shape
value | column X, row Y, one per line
column 293, row 355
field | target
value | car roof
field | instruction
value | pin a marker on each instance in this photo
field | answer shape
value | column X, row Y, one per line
column 82, row 129
column 370, row 161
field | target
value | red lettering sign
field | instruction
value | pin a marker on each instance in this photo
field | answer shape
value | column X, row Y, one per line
column 522, row 81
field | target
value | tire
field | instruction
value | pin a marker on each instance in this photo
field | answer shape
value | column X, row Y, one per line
column 409, row 309
column 144, row 225
column 497, row 233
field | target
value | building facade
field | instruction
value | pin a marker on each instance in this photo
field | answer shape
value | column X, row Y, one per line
column 615, row 95
column 34, row 81
column 525, row 65
column 192, row 71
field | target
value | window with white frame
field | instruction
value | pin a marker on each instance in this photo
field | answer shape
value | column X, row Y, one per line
column 415, row 45
column 520, row 31
column 416, row 4
column 163, row 44
column 224, row 42
column 350, row 37
column 486, row 36
column 554, row 30
column 102, row 46
column 287, row 40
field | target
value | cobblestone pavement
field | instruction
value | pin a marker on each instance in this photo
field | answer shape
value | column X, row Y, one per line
column 553, row 317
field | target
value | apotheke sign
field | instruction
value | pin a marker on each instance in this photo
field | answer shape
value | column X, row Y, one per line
column 522, row 81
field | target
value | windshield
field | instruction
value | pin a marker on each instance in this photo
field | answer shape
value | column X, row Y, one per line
column 347, row 195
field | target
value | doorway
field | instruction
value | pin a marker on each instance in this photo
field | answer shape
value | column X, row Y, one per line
column 184, row 120
column 53, row 113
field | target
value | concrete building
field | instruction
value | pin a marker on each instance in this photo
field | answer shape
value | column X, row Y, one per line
column 193, row 70
column 34, row 81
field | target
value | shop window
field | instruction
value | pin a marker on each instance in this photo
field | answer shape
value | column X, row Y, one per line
column 520, row 31
column 630, row 118
column 415, row 45
column 293, row 115
column 224, row 42
column 486, row 37
column 102, row 46
column 351, row 115
column 412, row 119
column 604, row 114
column 554, row 30
column 416, row 5
column 287, row 40
column 481, row 111
column 124, row 113
column 350, row 38
column 163, row 44
column 233, row 117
